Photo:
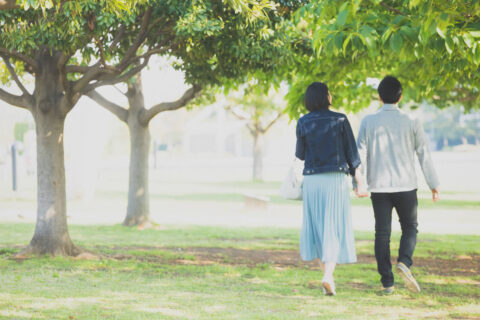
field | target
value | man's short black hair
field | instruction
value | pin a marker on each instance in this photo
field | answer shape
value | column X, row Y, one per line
column 390, row 90
column 316, row 97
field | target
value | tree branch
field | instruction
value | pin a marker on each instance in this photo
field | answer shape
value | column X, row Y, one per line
column 251, row 129
column 120, row 91
column 19, row 56
column 14, row 75
column 18, row 101
column 147, row 54
column 118, row 36
column 383, row 4
column 91, row 74
column 148, row 115
column 109, row 76
column 117, row 110
column 264, row 130
column 239, row 117
column 77, row 69
column 110, row 79
column 102, row 53
column 141, row 36
column 114, row 80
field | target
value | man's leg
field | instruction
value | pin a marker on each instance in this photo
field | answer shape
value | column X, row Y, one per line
column 382, row 208
column 406, row 204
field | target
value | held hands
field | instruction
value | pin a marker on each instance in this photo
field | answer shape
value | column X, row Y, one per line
column 435, row 195
column 360, row 189
column 361, row 193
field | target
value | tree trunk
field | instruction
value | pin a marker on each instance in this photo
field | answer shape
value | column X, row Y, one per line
column 258, row 141
column 51, row 231
column 138, row 208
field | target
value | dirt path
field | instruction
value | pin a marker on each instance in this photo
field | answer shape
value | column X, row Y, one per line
column 462, row 266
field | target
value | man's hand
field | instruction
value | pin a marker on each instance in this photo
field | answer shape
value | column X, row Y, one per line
column 361, row 194
column 435, row 195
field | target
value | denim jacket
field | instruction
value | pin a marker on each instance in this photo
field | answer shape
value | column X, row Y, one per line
column 325, row 141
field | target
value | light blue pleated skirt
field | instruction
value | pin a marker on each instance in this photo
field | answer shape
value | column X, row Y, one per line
column 327, row 231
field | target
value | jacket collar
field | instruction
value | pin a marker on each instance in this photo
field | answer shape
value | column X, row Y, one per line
column 389, row 107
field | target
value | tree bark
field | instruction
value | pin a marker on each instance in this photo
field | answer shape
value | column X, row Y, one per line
column 138, row 208
column 258, row 145
column 51, row 231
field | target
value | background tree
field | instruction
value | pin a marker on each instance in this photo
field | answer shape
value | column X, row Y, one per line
column 432, row 46
column 260, row 109
column 450, row 127
column 137, row 118
column 213, row 47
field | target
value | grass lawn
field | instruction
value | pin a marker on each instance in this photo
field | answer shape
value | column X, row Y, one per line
column 227, row 273
column 235, row 191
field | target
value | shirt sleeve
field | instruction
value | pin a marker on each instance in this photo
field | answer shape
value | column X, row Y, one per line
column 362, row 146
column 423, row 154
column 300, row 147
column 351, row 151
column 362, row 150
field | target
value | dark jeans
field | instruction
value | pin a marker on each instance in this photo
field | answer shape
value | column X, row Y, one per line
column 405, row 203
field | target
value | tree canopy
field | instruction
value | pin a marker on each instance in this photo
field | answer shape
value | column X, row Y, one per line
column 233, row 42
column 432, row 46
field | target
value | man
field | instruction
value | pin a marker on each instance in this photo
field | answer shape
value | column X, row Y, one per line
column 387, row 142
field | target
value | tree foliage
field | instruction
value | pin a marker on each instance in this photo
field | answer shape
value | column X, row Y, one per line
column 432, row 46
column 213, row 41
column 258, row 106
column 450, row 126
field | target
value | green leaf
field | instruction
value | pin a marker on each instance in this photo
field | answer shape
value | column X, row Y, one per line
column 397, row 20
column 449, row 44
column 396, row 42
column 347, row 40
column 339, row 41
column 386, row 35
column 414, row 3
column 475, row 34
column 441, row 32
column 468, row 39
column 342, row 18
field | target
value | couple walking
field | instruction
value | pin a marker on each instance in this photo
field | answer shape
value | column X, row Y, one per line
column 386, row 146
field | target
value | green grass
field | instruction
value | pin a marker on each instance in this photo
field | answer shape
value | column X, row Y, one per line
column 234, row 192
column 157, row 274
column 425, row 203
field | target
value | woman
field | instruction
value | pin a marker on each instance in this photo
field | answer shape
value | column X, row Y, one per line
column 326, row 142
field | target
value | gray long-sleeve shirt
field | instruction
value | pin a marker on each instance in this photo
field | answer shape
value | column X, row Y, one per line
column 387, row 143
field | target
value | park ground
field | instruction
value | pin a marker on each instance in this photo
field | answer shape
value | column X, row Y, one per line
column 211, row 255
column 181, row 272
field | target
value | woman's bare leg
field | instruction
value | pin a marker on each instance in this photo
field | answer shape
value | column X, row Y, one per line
column 328, row 270
column 322, row 266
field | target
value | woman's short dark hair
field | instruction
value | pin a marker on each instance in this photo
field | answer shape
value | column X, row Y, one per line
column 390, row 89
column 316, row 97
